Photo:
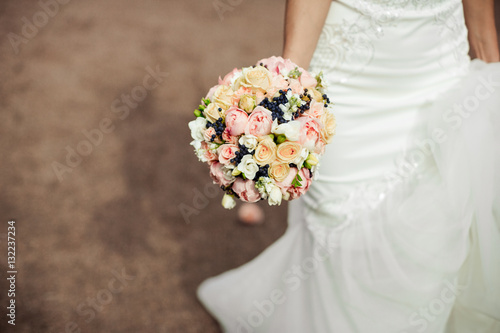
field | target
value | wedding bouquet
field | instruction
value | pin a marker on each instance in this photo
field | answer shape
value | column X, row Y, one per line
column 262, row 130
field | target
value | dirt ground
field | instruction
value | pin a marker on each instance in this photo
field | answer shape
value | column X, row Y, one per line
column 97, row 181
column 101, row 244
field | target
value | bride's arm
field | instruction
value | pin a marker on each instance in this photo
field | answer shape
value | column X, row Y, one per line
column 480, row 21
column 304, row 20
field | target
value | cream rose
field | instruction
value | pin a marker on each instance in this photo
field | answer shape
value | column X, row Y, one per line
column 288, row 151
column 247, row 103
column 279, row 171
column 265, row 153
column 213, row 112
column 257, row 78
column 329, row 126
column 316, row 95
column 223, row 96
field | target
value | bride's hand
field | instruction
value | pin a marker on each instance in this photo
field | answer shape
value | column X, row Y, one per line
column 480, row 21
column 304, row 20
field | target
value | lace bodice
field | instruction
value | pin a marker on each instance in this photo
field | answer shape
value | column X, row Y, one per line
column 347, row 46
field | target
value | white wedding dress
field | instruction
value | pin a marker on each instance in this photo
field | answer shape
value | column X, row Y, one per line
column 400, row 232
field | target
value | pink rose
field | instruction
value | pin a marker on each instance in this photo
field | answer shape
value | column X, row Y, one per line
column 307, row 80
column 227, row 79
column 310, row 134
column 260, row 122
column 259, row 97
column 227, row 152
column 306, row 181
column 280, row 83
column 286, row 183
column 229, row 138
column 316, row 109
column 209, row 155
column 246, row 190
column 211, row 92
column 208, row 134
column 277, row 65
column 242, row 91
column 296, row 87
column 287, row 186
column 236, row 121
column 218, row 175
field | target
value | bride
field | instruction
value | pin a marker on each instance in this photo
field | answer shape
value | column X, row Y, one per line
column 400, row 232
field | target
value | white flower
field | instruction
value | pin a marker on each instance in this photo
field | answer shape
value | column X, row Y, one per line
column 236, row 77
column 314, row 161
column 286, row 196
column 294, row 101
column 198, row 127
column 213, row 146
column 287, row 111
column 261, row 189
column 291, row 129
column 263, row 184
column 269, row 190
column 275, row 196
column 315, row 171
column 300, row 159
column 227, row 170
column 248, row 166
column 249, row 141
column 228, row 201
column 196, row 144
column 200, row 153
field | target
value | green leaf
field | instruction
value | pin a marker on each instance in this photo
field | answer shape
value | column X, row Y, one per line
column 297, row 181
column 320, row 86
column 280, row 138
column 295, row 73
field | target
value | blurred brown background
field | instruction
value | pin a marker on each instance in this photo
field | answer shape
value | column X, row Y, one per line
column 102, row 245
column 119, row 208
